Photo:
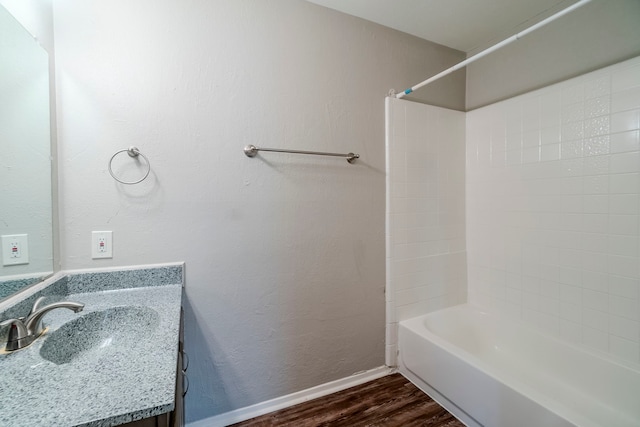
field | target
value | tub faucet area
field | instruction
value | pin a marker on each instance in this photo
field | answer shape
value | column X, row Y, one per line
column 24, row 331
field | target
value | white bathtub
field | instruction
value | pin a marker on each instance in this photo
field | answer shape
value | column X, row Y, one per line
column 496, row 373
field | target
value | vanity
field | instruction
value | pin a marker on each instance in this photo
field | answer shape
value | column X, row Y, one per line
column 118, row 361
column 110, row 349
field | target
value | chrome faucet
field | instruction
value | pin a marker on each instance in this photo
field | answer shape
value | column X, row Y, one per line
column 24, row 331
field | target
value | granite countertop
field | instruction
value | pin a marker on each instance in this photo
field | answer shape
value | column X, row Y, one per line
column 118, row 381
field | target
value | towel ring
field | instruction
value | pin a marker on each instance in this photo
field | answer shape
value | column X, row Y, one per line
column 132, row 152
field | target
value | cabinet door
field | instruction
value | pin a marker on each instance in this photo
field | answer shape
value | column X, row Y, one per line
column 177, row 417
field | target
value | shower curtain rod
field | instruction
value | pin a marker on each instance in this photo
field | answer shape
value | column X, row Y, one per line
column 493, row 48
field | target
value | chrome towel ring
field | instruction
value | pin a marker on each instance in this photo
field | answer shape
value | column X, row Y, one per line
column 132, row 152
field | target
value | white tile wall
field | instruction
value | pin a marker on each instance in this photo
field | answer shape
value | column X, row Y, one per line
column 426, row 259
column 553, row 219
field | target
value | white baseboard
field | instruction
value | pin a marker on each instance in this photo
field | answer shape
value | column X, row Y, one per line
column 268, row 406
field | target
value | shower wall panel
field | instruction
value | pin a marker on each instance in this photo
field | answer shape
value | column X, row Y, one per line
column 553, row 195
column 426, row 261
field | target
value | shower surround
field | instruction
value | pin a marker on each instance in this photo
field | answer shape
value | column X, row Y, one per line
column 426, row 260
column 550, row 236
column 553, row 188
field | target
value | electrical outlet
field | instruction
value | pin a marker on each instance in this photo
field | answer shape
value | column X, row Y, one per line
column 101, row 244
column 15, row 249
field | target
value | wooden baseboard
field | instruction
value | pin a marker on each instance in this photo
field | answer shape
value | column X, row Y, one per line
column 268, row 406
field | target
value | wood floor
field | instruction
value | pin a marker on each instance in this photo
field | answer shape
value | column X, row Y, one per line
column 391, row 401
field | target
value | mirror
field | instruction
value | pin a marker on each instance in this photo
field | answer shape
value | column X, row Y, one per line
column 25, row 159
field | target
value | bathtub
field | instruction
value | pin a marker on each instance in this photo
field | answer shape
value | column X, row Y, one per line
column 496, row 373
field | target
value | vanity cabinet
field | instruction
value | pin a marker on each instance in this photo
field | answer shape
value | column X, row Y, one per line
column 176, row 417
column 182, row 381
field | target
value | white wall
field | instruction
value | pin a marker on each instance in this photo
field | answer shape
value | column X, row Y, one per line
column 284, row 254
column 426, row 259
column 553, row 195
column 596, row 35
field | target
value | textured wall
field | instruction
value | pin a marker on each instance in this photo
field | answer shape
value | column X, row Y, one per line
column 426, row 259
column 553, row 189
column 598, row 34
column 284, row 254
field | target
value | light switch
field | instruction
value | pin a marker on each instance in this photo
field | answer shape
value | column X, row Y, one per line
column 101, row 244
column 15, row 249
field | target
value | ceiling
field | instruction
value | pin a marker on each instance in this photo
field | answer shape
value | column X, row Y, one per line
column 466, row 25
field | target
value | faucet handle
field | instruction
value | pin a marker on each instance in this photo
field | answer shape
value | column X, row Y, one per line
column 37, row 304
column 18, row 335
column 17, row 330
column 39, row 328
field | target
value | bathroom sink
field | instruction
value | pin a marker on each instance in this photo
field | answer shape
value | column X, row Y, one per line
column 100, row 333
